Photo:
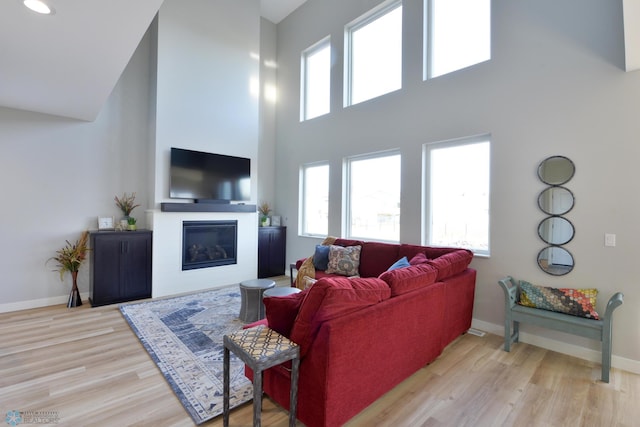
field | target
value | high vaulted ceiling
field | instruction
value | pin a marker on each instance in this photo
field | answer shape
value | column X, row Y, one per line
column 68, row 63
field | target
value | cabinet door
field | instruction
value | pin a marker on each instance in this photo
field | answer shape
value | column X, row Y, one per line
column 278, row 251
column 135, row 273
column 264, row 236
column 271, row 251
column 120, row 267
column 105, row 286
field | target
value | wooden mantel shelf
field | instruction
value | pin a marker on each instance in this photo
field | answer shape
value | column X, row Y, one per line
column 206, row 207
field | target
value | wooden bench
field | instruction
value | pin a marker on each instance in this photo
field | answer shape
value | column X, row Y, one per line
column 595, row 329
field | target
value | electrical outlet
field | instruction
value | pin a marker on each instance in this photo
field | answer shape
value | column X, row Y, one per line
column 609, row 239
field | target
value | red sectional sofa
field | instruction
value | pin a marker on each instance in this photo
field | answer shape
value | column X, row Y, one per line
column 359, row 337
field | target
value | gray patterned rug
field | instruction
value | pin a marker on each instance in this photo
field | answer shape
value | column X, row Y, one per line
column 183, row 336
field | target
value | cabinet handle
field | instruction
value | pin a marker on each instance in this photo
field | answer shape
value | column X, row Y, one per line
column 124, row 247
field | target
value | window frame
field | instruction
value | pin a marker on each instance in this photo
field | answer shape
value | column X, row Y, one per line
column 302, row 225
column 361, row 22
column 346, row 193
column 304, row 76
column 428, row 37
column 427, row 202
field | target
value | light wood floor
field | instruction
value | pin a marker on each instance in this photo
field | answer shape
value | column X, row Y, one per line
column 88, row 366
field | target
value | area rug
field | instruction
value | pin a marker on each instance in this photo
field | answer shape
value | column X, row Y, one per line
column 183, row 336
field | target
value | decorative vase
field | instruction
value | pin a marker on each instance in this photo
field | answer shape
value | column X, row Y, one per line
column 132, row 227
column 74, row 296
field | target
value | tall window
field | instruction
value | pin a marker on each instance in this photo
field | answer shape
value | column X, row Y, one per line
column 458, row 193
column 457, row 34
column 373, row 197
column 316, row 80
column 314, row 187
column 373, row 44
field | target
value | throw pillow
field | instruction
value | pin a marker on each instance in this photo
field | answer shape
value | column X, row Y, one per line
column 344, row 261
column 419, row 258
column 321, row 257
column 308, row 282
column 281, row 312
column 576, row 302
column 401, row 263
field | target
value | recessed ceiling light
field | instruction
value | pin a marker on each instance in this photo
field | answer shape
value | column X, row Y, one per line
column 39, row 6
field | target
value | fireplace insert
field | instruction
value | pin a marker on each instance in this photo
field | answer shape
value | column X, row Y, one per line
column 209, row 244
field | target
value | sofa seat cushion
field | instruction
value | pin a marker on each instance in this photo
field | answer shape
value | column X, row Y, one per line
column 333, row 297
column 403, row 280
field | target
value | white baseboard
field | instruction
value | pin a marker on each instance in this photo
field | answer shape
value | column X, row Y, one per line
column 618, row 362
column 37, row 303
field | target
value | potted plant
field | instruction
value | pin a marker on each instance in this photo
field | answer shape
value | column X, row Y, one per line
column 132, row 223
column 264, row 209
column 70, row 258
column 126, row 203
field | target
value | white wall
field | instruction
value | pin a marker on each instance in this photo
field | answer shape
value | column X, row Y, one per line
column 168, row 277
column 268, row 88
column 58, row 175
column 555, row 86
column 207, row 94
column 189, row 84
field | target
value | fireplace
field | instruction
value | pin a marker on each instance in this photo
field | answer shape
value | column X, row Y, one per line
column 209, row 244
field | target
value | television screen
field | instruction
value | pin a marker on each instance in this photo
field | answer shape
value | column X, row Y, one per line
column 209, row 176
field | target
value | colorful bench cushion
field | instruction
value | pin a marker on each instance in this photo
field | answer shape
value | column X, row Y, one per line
column 576, row 302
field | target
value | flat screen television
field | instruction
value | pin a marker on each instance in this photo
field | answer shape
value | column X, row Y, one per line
column 209, row 177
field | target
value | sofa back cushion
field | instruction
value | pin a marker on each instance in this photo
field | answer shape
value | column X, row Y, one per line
column 348, row 242
column 281, row 311
column 332, row 297
column 377, row 257
column 403, row 280
column 448, row 261
column 452, row 263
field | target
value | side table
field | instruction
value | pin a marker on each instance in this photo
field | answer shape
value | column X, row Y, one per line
column 280, row 291
column 251, row 306
column 261, row 348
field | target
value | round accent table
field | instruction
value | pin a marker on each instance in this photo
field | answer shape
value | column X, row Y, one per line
column 251, row 306
column 280, row 291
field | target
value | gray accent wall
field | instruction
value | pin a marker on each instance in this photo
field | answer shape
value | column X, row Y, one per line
column 555, row 85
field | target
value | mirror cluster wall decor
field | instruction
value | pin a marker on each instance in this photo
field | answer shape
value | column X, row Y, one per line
column 555, row 201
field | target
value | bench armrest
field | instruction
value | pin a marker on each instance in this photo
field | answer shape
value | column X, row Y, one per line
column 614, row 302
column 511, row 291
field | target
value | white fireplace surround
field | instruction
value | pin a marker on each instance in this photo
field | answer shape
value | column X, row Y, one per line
column 168, row 276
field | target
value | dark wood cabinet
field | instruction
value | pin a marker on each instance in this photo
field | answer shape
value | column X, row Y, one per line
column 120, row 267
column 271, row 251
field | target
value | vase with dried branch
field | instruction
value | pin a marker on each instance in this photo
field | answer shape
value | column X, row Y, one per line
column 69, row 259
column 126, row 203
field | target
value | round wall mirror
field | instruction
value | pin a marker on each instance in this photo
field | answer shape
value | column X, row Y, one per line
column 555, row 260
column 556, row 230
column 556, row 200
column 556, row 170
